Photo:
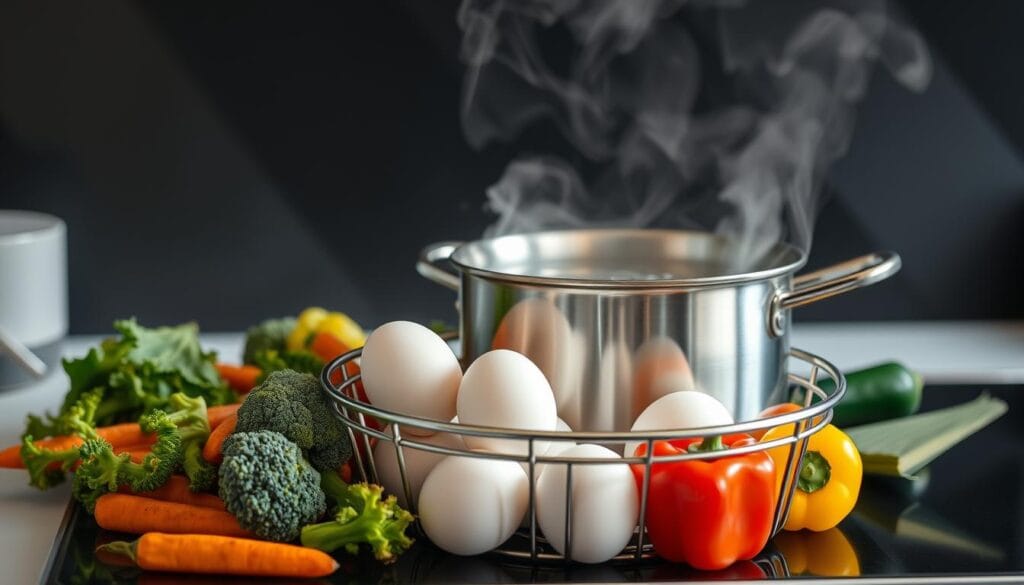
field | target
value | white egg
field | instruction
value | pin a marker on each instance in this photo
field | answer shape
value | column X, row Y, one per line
column 680, row 410
column 503, row 388
column 408, row 369
column 470, row 506
column 418, row 462
column 605, row 505
column 553, row 448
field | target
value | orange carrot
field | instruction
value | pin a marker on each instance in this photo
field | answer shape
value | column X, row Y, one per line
column 211, row 451
column 137, row 453
column 136, row 514
column 203, row 553
column 327, row 347
column 217, row 414
column 118, row 435
column 241, row 378
column 176, row 490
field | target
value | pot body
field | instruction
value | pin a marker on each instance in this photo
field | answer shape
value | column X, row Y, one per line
column 618, row 318
column 609, row 354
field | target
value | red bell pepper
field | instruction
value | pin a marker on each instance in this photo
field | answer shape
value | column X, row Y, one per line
column 709, row 513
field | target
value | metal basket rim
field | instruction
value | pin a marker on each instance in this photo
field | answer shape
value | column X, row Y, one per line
column 823, row 408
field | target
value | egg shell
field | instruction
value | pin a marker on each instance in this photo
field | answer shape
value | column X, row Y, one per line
column 605, row 505
column 418, row 462
column 408, row 369
column 687, row 409
column 470, row 506
column 553, row 448
column 502, row 388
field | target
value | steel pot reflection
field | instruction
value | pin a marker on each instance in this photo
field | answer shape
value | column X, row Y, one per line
column 616, row 318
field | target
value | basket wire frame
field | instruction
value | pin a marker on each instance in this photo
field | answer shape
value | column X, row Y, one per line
column 526, row 545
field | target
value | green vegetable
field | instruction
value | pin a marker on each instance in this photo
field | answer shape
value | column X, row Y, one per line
column 362, row 517
column 293, row 404
column 47, row 467
column 268, row 335
column 268, row 486
column 881, row 392
column 189, row 415
column 272, row 360
column 103, row 471
column 137, row 373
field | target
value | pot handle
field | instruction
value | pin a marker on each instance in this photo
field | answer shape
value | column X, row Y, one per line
column 828, row 282
column 428, row 268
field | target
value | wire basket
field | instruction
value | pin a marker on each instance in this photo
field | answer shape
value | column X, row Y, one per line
column 340, row 381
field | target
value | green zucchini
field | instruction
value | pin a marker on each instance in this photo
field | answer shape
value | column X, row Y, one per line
column 881, row 392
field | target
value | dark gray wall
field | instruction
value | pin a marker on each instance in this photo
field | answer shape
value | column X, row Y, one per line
column 229, row 161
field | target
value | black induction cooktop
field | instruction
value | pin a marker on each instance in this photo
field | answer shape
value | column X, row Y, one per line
column 961, row 520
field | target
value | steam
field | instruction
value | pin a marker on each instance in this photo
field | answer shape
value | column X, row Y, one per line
column 736, row 140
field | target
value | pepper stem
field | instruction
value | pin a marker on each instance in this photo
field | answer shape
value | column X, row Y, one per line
column 120, row 547
column 815, row 472
column 706, row 445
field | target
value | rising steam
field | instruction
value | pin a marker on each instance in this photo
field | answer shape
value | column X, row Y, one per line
column 735, row 138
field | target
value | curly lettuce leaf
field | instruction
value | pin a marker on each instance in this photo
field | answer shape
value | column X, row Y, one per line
column 137, row 373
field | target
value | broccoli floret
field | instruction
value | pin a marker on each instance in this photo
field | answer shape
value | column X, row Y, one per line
column 103, row 471
column 294, row 405
column 272, row 360
column 268, row 486
column 180, row 435
column 47, row 467
column 361, row 517
column 268, row 335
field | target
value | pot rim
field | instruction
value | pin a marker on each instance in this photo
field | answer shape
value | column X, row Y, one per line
column 782, row 249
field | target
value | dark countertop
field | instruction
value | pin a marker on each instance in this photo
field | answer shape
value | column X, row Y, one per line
column 964, row 516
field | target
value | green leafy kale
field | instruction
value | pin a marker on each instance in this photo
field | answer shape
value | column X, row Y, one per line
column 270, row 335
column 137, row 373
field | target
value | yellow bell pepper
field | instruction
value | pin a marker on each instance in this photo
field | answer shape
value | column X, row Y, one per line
column 316, row 320
column 825, row 554
column 828, row 482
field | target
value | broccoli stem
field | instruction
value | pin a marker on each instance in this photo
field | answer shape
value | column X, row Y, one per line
column 335, row 534
column 335, row 488
column 362, row 517
column 201, row 475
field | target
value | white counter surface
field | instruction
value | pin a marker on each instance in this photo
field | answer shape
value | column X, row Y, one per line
column 946, row 353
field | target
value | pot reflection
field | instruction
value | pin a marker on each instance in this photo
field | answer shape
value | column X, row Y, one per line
column 661, row 368
column 538, row 329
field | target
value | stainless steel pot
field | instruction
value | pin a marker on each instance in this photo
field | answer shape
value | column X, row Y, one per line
column 617, row 318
